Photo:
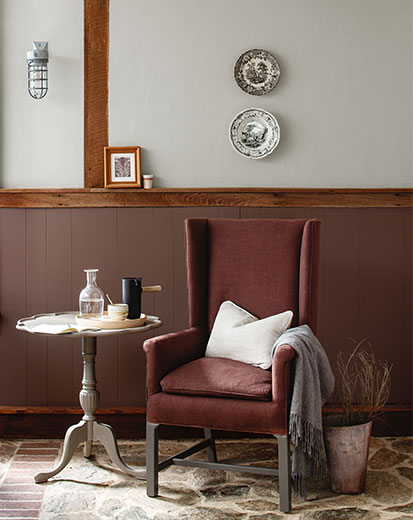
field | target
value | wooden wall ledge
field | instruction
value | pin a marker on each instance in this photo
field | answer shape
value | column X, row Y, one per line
column 198, row 197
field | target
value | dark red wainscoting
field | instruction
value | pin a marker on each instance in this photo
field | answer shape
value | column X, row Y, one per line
column 365, row 290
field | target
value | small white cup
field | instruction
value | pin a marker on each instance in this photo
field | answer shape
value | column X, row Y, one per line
column 118, row 311
column 147, row 182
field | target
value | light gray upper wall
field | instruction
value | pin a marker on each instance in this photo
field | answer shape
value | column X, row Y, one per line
column 344, row 100
column 41, row 141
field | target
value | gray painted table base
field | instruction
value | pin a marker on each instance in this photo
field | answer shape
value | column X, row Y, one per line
column 89, row 429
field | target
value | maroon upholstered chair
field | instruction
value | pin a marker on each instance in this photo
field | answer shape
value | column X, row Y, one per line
column 266, row 267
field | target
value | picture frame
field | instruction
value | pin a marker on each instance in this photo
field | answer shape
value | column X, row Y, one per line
column 122, row 166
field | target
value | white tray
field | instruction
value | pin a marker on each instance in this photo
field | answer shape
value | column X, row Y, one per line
column 107, row 323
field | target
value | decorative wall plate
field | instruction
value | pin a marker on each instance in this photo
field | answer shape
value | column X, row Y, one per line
column 257, row 72
column 254, row 133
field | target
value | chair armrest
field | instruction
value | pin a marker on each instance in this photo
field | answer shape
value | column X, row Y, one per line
column 282, row 375
column 167, row 352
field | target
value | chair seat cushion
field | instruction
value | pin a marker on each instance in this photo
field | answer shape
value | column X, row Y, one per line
column 219, row 377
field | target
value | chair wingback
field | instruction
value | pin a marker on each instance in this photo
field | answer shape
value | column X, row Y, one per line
column 263, row 265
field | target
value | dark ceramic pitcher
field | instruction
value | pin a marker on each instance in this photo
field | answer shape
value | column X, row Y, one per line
column 131, row 294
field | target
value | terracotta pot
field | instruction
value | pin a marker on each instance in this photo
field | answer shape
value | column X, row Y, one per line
column 347, row 452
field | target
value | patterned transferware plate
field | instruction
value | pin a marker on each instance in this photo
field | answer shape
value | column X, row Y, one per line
column 254, row 133
column 257, row 72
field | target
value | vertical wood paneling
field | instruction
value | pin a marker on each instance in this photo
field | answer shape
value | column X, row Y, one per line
column 135, row 258
column 94, row 239
column 229, row 213
column 381, row 287
column 365, row 290
column 13, row 350
column 164, row 267
column 59, row 298
column 407, row 317
column 283, row 213
column 339, row 310
column 249, row 213
column 36, row 262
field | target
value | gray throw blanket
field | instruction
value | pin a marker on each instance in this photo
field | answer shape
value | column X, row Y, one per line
column 313, row 384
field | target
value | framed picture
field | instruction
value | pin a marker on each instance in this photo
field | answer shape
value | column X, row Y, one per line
column 122, row 167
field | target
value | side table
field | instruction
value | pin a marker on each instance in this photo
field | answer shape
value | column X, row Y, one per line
column 89, row 429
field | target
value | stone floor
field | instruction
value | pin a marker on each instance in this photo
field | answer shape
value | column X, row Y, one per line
column 92, row 489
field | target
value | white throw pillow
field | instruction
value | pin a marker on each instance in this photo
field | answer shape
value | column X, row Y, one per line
column 239, row 335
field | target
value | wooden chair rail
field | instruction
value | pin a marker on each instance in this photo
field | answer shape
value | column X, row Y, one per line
column 208, row 197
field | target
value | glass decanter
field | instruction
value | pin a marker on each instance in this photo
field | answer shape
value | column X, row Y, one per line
column 91, row 298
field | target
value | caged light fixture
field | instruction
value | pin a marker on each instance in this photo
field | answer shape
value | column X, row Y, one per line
column 37, row 74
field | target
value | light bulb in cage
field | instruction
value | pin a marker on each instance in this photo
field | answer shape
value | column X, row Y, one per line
column 37, row 74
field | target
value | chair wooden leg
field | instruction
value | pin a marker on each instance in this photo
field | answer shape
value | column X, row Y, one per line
column 211, row 450
column 284, row 476
column 152, row 459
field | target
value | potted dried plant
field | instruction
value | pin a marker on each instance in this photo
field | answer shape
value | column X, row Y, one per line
column 362, row 389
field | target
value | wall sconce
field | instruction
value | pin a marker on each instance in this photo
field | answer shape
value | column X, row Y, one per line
column 37, row 75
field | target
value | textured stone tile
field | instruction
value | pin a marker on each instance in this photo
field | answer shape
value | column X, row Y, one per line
column 257, row 505
column 376, row 443
column 265, row 489
column 243, row 452
column 345, row 513
column 404, row 445
column 174, row 474
column 319, row 489
column 226, row 491
column 131, row 513
column 169, row 448
column 206, row 513
column 195, row 494
column 385, row 488
column 405, row 472
column 7, row 450
column 173, row 494
column 69, row 502
column 206, row 477
column 404, row 508
column 267, row 516
column 385, row 458
column 108, row 507
column 336, row 500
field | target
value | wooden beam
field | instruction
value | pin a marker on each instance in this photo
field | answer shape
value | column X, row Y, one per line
column 96, row 93
column 62, row 410
column 207, row 197
column 131, row 410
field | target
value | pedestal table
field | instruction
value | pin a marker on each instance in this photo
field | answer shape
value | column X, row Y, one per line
column 89, row 429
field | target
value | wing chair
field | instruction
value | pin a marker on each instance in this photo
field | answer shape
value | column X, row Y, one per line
column 265, row 266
